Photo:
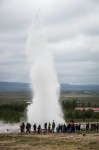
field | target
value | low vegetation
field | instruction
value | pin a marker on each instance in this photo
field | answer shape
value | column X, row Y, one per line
column 69, row 106
column 16, row 104
column 49, row 141
column 13, row 112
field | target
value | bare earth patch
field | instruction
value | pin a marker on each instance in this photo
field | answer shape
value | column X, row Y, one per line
column 56, row 141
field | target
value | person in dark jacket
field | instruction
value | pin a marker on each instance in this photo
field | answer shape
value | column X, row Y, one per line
column 22, row 127
column 34, row 128
column 28, row 127
column 53, row 126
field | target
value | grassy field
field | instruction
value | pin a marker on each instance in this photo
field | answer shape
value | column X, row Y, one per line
column 56, row 141
column 82, row 98
column 11, row 102
column 6, row 97
column 93, row 98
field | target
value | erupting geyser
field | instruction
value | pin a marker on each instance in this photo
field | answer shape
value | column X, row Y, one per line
column 45, row 104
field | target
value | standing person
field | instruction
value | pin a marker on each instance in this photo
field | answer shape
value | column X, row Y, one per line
column 64, row 128
column 53, row 126
column 61, row 127
column 34, row 128
column 28, row 127
column 97, row 126
column 49, row 127
column 45, row 127
column 58, row 128
column 22, row 127
column 39, row 129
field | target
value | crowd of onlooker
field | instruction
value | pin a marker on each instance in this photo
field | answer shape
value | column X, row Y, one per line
column 71, row 127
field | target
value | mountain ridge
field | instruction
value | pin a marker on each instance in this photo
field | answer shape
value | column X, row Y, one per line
column 25, row 87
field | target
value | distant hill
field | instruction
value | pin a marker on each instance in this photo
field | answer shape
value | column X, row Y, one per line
column 79, row 88
column 25, row 87
column 14, row 87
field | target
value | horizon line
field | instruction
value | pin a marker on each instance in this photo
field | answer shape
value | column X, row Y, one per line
column 59, row 83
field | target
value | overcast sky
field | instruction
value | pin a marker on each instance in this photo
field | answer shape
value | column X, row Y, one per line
column 73, row 38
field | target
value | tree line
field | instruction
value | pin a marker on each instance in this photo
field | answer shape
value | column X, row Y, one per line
column 12, row 112
column 68, row 107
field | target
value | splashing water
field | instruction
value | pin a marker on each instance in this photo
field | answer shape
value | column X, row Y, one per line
column 45, row 104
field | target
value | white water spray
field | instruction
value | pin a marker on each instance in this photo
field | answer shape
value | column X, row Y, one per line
column 45, row 104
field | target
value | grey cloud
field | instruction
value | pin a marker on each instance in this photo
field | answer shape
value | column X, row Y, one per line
column 73, row 38
column 14, row 72
column 88, row 25
column 77, row 56
column 13, row 37
column 13, row 16
column 65, row 11
column 78, row 73
column 12, row 53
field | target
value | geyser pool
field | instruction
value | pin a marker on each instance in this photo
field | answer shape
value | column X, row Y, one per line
column 45, row 105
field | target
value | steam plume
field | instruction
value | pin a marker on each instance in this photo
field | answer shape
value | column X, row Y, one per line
column 45, row 105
